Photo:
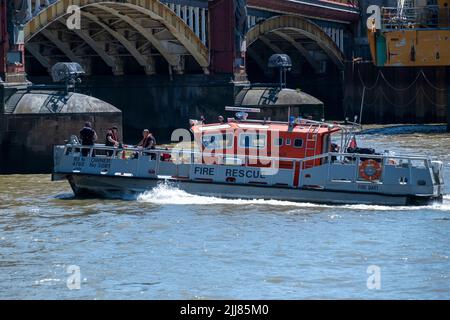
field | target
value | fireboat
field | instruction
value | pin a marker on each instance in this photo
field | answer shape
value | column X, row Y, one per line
column 300, row 160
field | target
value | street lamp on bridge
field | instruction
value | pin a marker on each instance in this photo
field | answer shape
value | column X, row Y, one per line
column 283, row 63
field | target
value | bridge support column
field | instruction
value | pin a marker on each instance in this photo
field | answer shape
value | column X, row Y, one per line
column 3, row 38
column 12, row 47
column 12, row 72
column 180, row 66
column 227, row 29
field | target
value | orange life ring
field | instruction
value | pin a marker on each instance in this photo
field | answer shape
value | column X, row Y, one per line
column 370, row 170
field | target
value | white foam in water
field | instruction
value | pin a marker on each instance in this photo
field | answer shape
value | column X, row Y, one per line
column 165, row 194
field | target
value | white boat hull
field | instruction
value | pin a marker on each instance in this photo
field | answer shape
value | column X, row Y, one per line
column 123, row 187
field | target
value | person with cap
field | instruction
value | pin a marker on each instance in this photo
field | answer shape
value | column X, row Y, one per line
column 88, row 136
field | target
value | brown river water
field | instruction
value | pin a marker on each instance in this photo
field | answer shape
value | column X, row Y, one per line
column 168, row 244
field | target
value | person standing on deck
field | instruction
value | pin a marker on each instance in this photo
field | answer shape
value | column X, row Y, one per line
column 152, row 140
column 88, row 137
column 112, row 139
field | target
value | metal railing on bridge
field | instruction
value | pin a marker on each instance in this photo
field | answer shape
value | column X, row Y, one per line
column 428, row 17
column 195, row 17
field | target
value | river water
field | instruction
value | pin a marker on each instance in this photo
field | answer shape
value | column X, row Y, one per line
column 168, row 244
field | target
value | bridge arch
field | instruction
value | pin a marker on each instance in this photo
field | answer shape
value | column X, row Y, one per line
column 141, row 28
column 300, row 33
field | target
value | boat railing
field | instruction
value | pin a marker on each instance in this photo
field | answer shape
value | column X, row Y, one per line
column 431, row 16
column 185, row 155
column 334, row 161
column 307, row 123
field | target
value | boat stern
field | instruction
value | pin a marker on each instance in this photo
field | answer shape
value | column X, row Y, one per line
column 437, row 169
column 58, row 155
column 431, row 189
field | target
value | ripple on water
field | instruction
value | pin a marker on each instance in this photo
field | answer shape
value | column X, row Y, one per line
column 170, row 244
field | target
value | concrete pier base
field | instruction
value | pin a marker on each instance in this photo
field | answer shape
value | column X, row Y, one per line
column 162, row 103
column 33, row 120
column 158, row 103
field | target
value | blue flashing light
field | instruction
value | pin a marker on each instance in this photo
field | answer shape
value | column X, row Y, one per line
column 291, row 119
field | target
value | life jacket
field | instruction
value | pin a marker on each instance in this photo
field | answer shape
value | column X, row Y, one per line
column 146, row 142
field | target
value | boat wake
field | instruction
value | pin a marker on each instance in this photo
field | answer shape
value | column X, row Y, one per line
column 166, row 194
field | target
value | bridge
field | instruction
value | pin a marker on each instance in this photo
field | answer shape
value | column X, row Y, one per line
column 176, row 57
column 181, row 36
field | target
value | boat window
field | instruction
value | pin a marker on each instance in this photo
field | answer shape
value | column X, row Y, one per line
column 251, row 140
column 288, row 142
column 217, row 141
column 278, row 141
column 298, row 143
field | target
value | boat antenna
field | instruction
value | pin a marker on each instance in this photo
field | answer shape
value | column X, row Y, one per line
column 362, row 106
